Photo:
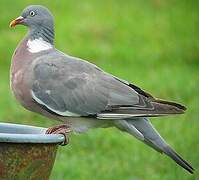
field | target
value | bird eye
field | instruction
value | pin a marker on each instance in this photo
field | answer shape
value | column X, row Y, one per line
column 32, row 13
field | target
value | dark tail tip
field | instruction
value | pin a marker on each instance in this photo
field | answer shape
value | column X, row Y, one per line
column 179, row 160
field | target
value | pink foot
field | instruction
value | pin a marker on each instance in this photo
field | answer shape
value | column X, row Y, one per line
column 60, row 129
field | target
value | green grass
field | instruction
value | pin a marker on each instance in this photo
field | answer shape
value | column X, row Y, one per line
column 154, row 44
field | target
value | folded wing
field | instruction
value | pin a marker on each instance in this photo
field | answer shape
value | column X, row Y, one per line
column 69, row 86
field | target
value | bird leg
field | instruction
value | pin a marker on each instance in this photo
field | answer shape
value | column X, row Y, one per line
column 60, row 129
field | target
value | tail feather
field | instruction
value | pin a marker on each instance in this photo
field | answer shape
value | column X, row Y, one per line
column 152, row 138
column 152, row 145
column 179, row 160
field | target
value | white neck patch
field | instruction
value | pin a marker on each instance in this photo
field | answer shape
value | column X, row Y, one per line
column 38, row 45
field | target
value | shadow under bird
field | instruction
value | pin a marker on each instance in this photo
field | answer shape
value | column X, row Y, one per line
column 78, row 93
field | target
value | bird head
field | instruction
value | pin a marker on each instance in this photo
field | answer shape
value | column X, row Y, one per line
column 34, row 16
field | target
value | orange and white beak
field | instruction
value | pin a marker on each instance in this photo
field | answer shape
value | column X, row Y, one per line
column 18, row 20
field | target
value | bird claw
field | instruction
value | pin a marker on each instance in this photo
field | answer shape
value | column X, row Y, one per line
column 60, row 129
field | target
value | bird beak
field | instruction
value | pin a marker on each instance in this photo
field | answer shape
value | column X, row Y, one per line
column 18, row 20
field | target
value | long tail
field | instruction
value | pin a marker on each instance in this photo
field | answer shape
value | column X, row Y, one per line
column 143, row 130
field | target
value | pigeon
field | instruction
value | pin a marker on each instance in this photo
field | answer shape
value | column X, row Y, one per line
column 78, row 93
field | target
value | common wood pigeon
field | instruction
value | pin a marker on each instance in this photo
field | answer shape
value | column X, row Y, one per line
column 80, row 94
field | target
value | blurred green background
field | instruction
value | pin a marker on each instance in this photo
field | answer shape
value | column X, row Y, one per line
column 153, row 44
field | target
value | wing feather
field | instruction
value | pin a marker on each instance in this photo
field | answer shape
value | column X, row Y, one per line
column 72, row 87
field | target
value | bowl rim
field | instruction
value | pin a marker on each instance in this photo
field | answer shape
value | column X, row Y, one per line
column 20, row 133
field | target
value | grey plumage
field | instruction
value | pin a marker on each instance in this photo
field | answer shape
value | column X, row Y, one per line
column 62, row 87
column 149, row 135
column 76, row 85
column 42, row 23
